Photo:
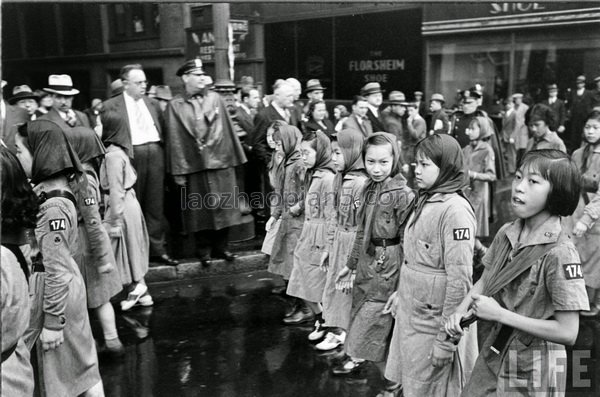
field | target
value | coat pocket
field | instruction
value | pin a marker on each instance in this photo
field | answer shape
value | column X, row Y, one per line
column 426, row 317
column 427, row 253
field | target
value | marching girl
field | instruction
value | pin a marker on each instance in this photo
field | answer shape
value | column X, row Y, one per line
column 123, row 212
column 350, row 179
column 435, row 278
column 481, row 167
column 95, row 257
column 532, row 286
column 19, row 213
column 376, row 254
column 586, row 228
column 288, row 180
column 69, row 361
column 307, row 280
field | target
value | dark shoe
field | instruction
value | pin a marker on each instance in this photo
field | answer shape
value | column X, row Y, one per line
column 302, row 315
column 165, row 260
column 291, row 309
column 349, row 366
column 204, row 260
column 228, row 256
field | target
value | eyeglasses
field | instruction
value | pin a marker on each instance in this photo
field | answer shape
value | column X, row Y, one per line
column 138, row 83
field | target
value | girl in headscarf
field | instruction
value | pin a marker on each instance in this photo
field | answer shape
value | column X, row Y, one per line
column 584, row 222
column 95, row 257
column 481, row 168
column 348, row 184
column 19, row 214
column 287, row 180
column 123, row 212
column 69, row 360
column 307, row 280
column 436, row 276
column 377, row 253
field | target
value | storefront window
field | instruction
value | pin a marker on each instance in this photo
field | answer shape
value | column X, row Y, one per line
column 134, row 21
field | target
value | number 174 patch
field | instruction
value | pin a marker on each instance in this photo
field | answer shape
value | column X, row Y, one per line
column 461, row 234
column 573, row 271
column 58, row 224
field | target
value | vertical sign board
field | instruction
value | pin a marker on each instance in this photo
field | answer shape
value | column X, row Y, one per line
column 201, row 42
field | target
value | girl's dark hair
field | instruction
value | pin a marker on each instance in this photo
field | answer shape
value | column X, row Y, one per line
column 565, row 179
column 311, row 108
column 311, row 137
column 594, row 115
column 542, row 112
column 374, row 140
column 19, row 202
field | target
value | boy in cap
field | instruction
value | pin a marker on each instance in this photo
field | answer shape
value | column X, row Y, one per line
column 557, row 105
column 439, row 122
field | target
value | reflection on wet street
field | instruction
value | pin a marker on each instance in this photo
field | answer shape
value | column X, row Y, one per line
column 223, row 337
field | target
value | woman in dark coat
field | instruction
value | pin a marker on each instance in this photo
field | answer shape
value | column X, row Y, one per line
column 317, row 119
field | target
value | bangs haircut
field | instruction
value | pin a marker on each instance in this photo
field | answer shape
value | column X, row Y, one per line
column 376, row 140
column 562, row 174
column 311, row 138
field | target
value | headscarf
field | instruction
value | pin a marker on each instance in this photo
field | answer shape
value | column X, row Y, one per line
column 446, row 154
column 52, row 153
column 291, row 138
column 351, row 144
column 372, row 190
column 323, row 160
column 86, row 143
column 116, row 132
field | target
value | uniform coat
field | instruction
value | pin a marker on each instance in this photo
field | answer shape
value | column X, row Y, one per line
column 288, row 195
column 72, row 368
column 202, row 145
column 368, row 336
column 480, row 161
column 149, row 163
column 579, row 108
column 546, row 287
column 95, row 248
column 436, row 276
column 117, row 177
column 14, row 116
column 588, row 213
column 337, row 304
column 352, row 123
column 17, row 374
column 307, row 280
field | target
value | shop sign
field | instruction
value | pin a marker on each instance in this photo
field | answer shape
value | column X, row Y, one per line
column 203, row 41
column 376, row 70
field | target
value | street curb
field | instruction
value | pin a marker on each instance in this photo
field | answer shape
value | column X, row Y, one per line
column 247, row 261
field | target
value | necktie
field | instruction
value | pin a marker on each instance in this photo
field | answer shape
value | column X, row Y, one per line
column 287, row 115
column 69, row 117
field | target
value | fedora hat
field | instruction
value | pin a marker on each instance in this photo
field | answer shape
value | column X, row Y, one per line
column 152, row 91
column 597, row 79
column 580, row 79
column 418, row 93
column 314, row 85
column 246, row 81
column 371, row 88
column 193, row 65
column 437, row 97
column 552, row 87
column 22, row 92
column 116, row 87
column 163, row 92
column 396, row 98
column 224, row 85
column 61, row 84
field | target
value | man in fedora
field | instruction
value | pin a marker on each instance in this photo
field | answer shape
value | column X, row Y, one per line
column 12, row 117
column 439, row 122
column 374, row 94
column 60, row 86
column 557, row 105
column 202, row 153
column 394, row 117
column 163, row 95
column 358, row 120
column 580, row 105
column 314, row 90
column 142, row 118
column 26, row 99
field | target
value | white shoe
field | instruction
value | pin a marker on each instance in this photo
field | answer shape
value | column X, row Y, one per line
column 317, row 333
column 332, row 341
column 145, row 300
column 134, row 297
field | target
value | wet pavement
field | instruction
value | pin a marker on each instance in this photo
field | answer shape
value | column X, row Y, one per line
column 222, row 337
